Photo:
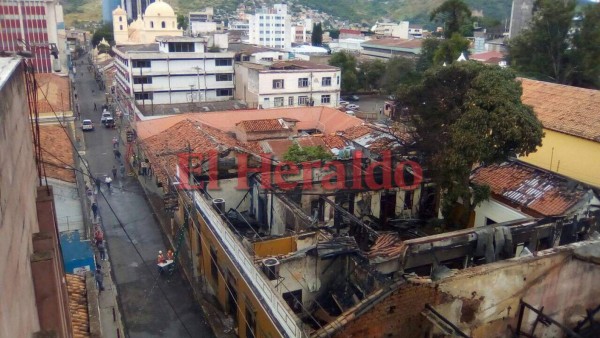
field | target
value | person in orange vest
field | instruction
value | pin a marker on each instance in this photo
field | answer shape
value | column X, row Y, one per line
column 170, row 255
column 161, row 259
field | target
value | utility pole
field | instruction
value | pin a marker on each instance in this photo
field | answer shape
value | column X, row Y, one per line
column 197, row 68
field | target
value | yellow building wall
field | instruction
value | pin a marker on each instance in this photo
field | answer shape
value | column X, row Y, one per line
column 568, row 155
column 279, row 246
column 245, row 297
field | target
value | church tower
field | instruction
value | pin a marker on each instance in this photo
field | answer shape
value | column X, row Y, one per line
column 120, row 29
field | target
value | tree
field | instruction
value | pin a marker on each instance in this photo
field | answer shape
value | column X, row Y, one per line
column 450, row 49
column 371, row 74
column 106, row 32
column 182, row 21
column 334, row 33
column 317, row 35
column 454, row 14
column 465, row 114
column 398, row 71
column 542, row 50
column 349, row 81
column 428, row 48
column 347, row 63
column 587, row 49
column 310, row 153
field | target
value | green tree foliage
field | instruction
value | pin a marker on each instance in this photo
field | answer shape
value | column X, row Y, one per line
column 450, row 49
column 182, row 21
column 348, row 65
column 454, row 14
column 587, row 49
column 399, row 71
column 317, row 35
column 466, row 114
column 542, row 50
column 311, row 153
column 371, row 74
column 334, row 33
column 428, row 48
column 106, row 32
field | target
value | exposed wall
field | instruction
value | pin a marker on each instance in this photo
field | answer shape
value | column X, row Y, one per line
column 18, row 217
column 569, row 156
column 495, row 211
column 484, row 301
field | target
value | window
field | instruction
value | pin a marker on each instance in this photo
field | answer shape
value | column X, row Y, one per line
column 250, row 321
column 325, row 98
column 278, row 102
column 121, row 19
column 302, row 100
column 181, row 47
column 225, row 92
column 338, row 79
column 143, row 96
column 163, row 24
column 142, row 79
column 141, row 64
column 277, row 84
column 224, row 77
column 151, row 24
column 326, row 81
column 120, row 27
column 303, row 82
column 222, row 62
column 290, row 101
column 214, row 270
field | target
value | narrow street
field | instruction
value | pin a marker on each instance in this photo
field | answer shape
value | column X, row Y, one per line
column 151, row 305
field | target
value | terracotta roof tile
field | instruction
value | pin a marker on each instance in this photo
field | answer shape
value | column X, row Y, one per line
column 311, row 141
column 386, row 246
column 261, row 125
column 570, row 110
column 542, row 192
column 57, row 152
column 78, row 305
column 334, row 141
column 356, row 132
column 56, row 88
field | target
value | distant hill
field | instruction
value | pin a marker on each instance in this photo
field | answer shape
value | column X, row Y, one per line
column 366, row 11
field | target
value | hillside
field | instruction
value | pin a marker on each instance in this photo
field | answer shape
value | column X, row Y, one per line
column 367, row 11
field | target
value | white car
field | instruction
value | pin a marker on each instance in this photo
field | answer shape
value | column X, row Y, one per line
column 105, row 116
column 352, row 107
column 87, row 125
column 344, row 103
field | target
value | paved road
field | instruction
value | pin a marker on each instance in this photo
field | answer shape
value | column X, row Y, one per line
column 145, row 309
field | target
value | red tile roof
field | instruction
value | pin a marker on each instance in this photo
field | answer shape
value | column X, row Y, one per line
column 539, row 192
column 261, row 125
column 334, row 141
column 57, row 152
column 486, row 56
column 57, row 89
column 566, row 109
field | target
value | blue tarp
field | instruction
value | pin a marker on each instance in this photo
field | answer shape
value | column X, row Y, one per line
column 77, row 254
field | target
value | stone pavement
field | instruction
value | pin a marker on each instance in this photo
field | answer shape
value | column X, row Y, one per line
column 151, row 305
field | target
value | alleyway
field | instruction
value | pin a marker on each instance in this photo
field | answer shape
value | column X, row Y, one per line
column 147, row 311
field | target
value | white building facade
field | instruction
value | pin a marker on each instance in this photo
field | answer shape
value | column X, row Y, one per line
column 270, row 27
column 287, row 84
column 174, row 70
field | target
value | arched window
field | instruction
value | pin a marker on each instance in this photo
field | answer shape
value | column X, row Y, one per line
column 120, row 19
column 121, row 27
column 163, row 24
column 151, row 24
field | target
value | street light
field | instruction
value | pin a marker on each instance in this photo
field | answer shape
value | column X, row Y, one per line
column 197, row 68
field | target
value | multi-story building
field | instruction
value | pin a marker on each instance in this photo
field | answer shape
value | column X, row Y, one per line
column 175, row 70
column 271, row 27
column 36, row 26
column 159, row 20
column 287, row 84
column 203, row 22
column 396, row 30
column 390, row 47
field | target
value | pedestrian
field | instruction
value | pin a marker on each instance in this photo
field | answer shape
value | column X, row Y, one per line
column 95, row 107
column 117, row 154
column 170, row 255
column 99, row 280
column 122, row 170
column 98, row 183
column 160, row 259
column 95, row 210
column 108, row 180
column 98, row 235
column 115, row 141
column 114, row 172
column 102, row 250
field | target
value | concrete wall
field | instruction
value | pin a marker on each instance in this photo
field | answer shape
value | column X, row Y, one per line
column 568, row 155
column 18, row 217
column 495, row 211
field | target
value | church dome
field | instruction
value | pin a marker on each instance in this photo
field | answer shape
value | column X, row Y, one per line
column 137, row 24
column 160, row 8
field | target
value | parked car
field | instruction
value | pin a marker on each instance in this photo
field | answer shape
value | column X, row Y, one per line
column 351, row 98
column 344, row 103
column 87, row 125
column 351, row 112
column 105, row 116
column 352, row 106
column 109, row 122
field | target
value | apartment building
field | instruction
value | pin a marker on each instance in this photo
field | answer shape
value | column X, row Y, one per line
column 36, row 26
column 287, row 84
column 271, row 27
column 203, row 22
column 175, row 70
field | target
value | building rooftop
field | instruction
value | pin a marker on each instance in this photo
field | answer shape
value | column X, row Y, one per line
column 527, row 187
column 300, row 64
column 180, row 39
column 566, row 109
column 402, row 44
column 150, row 48
column 78, row 305
column 486, row 56
column 53, row 93
column 57, row 152
column 262, row 125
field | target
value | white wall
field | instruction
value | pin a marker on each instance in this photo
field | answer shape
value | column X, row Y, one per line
column 496, row 212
